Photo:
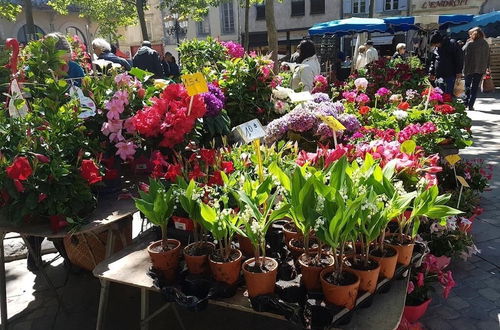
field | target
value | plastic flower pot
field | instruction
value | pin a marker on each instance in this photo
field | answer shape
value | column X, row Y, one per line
column 260, row 283
column 368, row 275
column 246, row 246
column 405, row 249
column 227, row 272
column 343, row 294
column 166, row 261
column 388, row 261
column 310, row 272
column 290, row 231
column 414, row 313
column 196, row 257
column 296, row 247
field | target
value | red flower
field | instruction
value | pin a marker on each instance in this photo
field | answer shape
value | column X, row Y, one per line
column 111, row 174
column 20, row 169
column 196, row 173
column 144, row 187
column 403, row 106
column 42, row 158
column 444, row 109
column 447, row 98
column 173, row 172
column 216, row 179
column 19, row 186
column 208, row 156
column 227, row 167
column 420, row 279
column 90, row 172
column 364, row 109
column 141, row 92
column 41, row 197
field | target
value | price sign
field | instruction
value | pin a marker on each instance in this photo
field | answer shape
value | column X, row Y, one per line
column 462, row 181
column 251, row 130
column 195, row 83
column 452, row 159
column 333, row 123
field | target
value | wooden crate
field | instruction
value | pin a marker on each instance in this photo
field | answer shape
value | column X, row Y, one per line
column 495, row 60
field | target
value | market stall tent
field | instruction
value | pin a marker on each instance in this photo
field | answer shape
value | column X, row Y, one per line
column 490, row 23
column 348, row 26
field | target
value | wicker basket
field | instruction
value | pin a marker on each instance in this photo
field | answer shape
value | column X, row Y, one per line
column 89, row 249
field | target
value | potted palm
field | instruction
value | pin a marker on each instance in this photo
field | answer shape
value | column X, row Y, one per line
column 258, row 211
column 157, row 203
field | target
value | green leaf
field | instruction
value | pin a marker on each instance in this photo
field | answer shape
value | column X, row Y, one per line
column 208, row 213
column 408, row 147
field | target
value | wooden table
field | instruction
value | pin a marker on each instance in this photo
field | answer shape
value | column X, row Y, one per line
column 130, row 265
column 106, row 218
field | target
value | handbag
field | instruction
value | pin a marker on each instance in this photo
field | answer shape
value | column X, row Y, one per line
column 459, row 88
column 487, row 85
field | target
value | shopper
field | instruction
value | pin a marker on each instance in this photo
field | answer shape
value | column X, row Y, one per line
column 170, row 66
column 476, row 62
column 361, row 58
column 400, row 52
column 74, row 70
column 308, row 67
column 446, row 62
column 102, row 49
column 147, row 59
column 371, row 52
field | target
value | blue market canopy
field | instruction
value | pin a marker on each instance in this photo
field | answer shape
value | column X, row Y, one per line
column 349, row 25
column 484, row 21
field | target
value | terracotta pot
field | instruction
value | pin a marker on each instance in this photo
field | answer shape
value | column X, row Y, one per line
column 297, row 251
column 289, row 234
column 166, row 261
column 405, row 251
column 227, row 272
column 442, row 262
column 198, row 264
column 259, row 284
column 340, row 295
column 245, row 246
column 387, row 264
column 310, row 274
column 414, row 313
column 367, row 278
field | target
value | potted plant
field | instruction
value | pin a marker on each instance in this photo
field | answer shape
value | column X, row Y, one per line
column 300, row 195
column 157, row 203
column 258, row 211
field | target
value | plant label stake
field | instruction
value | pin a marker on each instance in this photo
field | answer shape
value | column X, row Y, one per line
column 428, row 96
column 453, row 159
column 334, row 124
column 195, row 84
column 249, row 131
column 463, row 184
column 260, row 166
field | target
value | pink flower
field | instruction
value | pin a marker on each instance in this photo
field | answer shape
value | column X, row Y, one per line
column 362, row 98
column 447, row 281
column 126, row 150
column 129, row 126
column 115, row 108
column 420, row 279
column 121, row 96
column 349, row 96
column 411, row 287
column 361, row 84
column 144, row 187
column 123, row 79
column 111, row 126
column 266, row 71
column 382, row 92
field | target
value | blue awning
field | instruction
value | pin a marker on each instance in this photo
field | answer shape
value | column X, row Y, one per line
column 478, row 20
column 348, row 26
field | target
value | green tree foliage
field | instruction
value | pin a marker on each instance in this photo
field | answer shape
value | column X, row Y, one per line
column 9, row 10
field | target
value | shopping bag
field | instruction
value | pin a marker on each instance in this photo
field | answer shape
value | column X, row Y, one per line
column 459, row 88
column 487, row 86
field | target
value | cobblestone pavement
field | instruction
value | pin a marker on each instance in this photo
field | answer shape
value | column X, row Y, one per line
column 473, row 304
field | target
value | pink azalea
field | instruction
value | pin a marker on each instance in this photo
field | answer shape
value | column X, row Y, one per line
column 126, row 149
column 111, row 126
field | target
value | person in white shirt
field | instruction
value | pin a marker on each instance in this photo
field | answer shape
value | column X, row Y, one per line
column 361, row 58
column 371, row 52
column 308, row 67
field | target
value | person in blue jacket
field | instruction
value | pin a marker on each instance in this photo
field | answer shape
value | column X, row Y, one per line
column 102, row 49
column 74, row 70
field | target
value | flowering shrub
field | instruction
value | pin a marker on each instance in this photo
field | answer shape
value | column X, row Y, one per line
column 234, row 49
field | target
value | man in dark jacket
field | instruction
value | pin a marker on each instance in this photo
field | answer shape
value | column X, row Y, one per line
column 446, row 63
column 148, row 59
column 102, row 49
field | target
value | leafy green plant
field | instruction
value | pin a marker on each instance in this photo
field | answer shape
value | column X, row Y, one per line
column 198, row 54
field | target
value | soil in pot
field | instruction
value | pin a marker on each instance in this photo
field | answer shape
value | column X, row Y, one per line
column 341, row 293
column 367, row 273
column 290, row 231
column 311, row 267
column 166, row 261
column 196, row 257
column 388, row 261
column 260, row 280
column 296, row 246
column 404, row 248
column 226, row 271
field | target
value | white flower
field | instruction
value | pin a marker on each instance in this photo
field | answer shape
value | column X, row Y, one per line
column 440, row 81
column 361, row 84
column 396, row 98
column 451, row 223
column 282, row 93
column 255, row 227
column 400, row 114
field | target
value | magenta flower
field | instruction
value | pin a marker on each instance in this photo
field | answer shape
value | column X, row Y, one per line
column 411, row 287
column 349, row 96
column 234, row 49
column 362, row 98
column 123, row 79
column 382, row 92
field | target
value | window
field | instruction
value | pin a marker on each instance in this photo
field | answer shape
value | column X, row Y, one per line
column 74, row 31
column 298, row 7
column 358, row 6
column 261, row 12
column 317, row 6
column 227, row 14
column 203, row 27
column 391, row 5
column 23, row 37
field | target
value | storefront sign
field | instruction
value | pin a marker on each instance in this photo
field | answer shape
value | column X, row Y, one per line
column 444, row 3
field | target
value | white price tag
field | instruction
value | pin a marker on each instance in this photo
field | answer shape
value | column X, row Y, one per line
column 251, row 130
column 17, row 104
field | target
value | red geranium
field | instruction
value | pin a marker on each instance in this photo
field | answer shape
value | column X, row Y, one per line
column 444, row 109
column 20, row 169
column 364, row 109
column 227, row 167
column 447, row 98
column 90, row 172
column 403, row 106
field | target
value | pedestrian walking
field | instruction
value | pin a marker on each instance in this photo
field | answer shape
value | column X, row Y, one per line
column 446, row 62
column 476, row 63
column 147, row 59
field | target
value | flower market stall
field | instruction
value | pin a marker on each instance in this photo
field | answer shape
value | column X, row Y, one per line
column 301, row 206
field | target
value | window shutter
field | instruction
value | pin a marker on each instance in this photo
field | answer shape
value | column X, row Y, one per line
column 403, row 4
column 367, row 8
column 379, row 5
column 347, row 6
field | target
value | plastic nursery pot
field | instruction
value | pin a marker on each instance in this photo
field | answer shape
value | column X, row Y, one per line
column 196, row 257
column 246, row 246
column 296, row 246
column 166, row 261
column 290, row 231
column 405, row 249
column 260, row 283
column 343, row 295
column 414, row 313
column 310, row 272
column 227, row 272
column 388, row 261
column 368, row 275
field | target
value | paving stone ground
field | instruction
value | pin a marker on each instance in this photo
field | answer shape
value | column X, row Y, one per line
column 473, row 304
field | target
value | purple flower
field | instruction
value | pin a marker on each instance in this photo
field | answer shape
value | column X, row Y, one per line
column 321, row 97
column 350, row 122
column 214, row 100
